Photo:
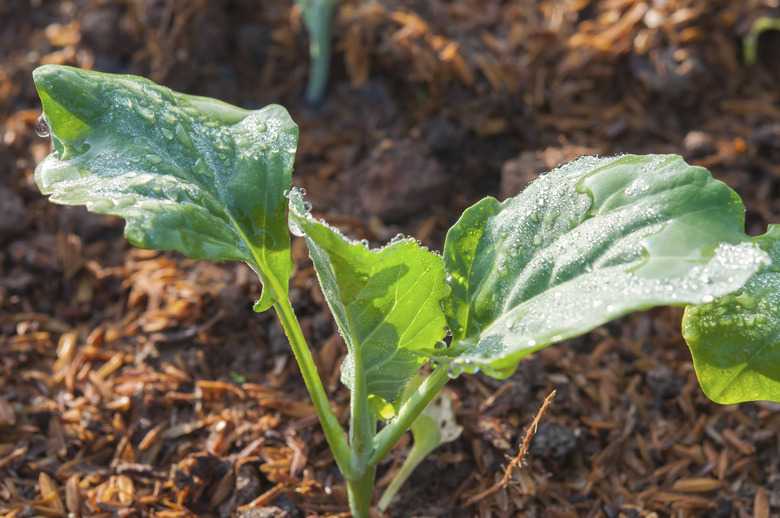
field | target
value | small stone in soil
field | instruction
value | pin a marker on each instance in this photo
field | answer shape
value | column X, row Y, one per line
column 552, row 441
column 664, row 382
column 13, row 215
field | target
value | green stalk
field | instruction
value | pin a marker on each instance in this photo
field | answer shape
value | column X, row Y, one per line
column 317, row 15
column 360, row 491
column 420, row 449
column 362, row 429
column 412, row 407
column 334, row 434
column 362, row 425
column 750, row 40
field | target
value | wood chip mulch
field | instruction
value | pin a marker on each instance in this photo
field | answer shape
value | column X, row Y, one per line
column 140, row 383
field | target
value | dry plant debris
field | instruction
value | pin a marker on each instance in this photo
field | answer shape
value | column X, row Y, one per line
column 136, row 383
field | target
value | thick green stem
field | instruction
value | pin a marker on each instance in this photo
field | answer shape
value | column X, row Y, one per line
column 392, row 433
column 362, row 426
column 359, row 492
column 333, row 431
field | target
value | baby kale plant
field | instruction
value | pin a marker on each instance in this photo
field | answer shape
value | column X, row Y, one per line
column 317, row 16
column 585, row 243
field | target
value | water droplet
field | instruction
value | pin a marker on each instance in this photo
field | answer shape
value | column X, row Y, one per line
column 182, row 137
column 154, row 159
column 145, row 112
column 42, row 127
column 638, row 186
column 537, row 240
column 307, row 206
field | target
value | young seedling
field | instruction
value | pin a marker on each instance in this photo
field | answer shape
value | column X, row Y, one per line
column 750, row 40
column 317, row 16
column 585, row 243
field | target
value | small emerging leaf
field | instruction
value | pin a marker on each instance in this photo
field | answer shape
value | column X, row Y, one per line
column 386, row 302
column 735, row 339
column 187, row 173
column 587, row 243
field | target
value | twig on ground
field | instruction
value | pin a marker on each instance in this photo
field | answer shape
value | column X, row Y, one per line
column 517, row 461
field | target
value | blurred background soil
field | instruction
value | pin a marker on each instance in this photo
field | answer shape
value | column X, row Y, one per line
column 140, row 383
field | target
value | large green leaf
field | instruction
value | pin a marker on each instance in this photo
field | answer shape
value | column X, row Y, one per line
column 584, row 244
column 386, row 302
column 187, row 173
column 735, row 339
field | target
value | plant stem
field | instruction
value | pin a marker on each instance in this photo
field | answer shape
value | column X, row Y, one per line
column 333, row 431
column 392, row 433
column 362, row 426
column 419, row 450
column 317, row 15
column 360, row 492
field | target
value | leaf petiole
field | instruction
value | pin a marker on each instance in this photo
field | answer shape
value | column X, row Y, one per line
column 410, row 409
column 334, row 433
column 363, row 424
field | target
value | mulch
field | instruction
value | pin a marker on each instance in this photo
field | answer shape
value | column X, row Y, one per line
column 140, row 383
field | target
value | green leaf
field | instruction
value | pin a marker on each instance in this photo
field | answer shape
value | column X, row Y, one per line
column 584, row 244
column 386, row 302
column 187, row 173
column 735, row 339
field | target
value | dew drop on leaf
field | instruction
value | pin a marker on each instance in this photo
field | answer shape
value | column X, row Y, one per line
column 145, row 112
column 42, row 127
column 154, row 159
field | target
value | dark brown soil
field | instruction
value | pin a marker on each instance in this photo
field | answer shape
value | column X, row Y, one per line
column 139, row 383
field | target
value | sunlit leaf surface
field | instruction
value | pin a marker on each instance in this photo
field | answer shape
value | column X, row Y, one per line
column 386, row 301
column 735, row 339
column 187, row 173
column 584, row 244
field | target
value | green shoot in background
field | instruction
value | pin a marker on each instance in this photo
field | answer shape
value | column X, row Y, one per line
column 584, row 244
column 317, row 16
column 750, row 40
